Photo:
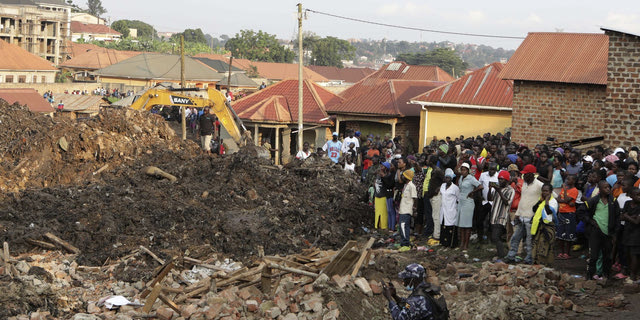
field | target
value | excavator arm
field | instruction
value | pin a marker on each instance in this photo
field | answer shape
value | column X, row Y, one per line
column 216, row 102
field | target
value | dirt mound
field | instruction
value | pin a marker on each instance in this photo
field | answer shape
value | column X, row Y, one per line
column 232, row 204
column 38, row 151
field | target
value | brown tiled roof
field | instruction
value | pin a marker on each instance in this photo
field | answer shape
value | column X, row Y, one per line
column 29, row 97
column 280, row 71
column 400, row 71
column 79, row 27
column 12, row 57
column 75, row 49
column 380, row 96
column 482, row 87
column 98, row 59
column 279, row 103
column 560, row 57
column 350, row 75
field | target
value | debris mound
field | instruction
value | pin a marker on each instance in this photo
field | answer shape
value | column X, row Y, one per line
column 235, row 204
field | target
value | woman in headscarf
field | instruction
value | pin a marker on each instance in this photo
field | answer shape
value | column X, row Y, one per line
column 468, row 185
column 449, row 210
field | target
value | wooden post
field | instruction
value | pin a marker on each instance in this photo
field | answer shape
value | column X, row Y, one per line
column 393, row 128
column 277, row 160
column 182, row 85
column 255, row 135
column 300, row 77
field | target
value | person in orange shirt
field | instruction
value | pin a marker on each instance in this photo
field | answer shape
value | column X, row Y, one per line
column 566, row 221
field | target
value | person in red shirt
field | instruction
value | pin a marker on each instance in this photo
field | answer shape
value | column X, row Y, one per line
column 566, row 222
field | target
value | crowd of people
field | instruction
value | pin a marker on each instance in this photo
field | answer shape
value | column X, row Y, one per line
column 536, row 204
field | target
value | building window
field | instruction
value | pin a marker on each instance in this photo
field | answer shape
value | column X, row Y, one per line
column 35, row 79
column 22, row 79
column 8, row 79
column 43, row 79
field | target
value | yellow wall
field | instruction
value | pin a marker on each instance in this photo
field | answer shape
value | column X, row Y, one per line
column 453, row 122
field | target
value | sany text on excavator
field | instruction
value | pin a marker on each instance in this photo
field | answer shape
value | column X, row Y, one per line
column 216, row 101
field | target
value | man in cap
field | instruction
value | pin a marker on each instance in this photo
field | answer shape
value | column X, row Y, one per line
column 421, row 303
column 530, row 194
column 333, row 148
column 406, row 209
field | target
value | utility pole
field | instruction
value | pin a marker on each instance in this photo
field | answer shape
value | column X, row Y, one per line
column 182, row 85
column 300, row 80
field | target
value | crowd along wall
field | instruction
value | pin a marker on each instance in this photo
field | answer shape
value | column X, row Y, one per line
column 564, row 111
column 622, row 122
column 53, row 87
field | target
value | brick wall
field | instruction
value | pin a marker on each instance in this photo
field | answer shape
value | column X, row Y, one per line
column 409, row 128
column 564, row 111
column 623, row 90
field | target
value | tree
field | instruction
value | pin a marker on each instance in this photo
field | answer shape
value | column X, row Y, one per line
column 145, row 30
column 259, row 46
column 444, row 58
column 191, row 35
column 95, row 8
column 330, row 51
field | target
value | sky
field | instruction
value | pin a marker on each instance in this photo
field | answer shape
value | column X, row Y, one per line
column 508, row 18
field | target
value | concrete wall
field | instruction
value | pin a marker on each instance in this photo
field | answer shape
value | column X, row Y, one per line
column 564, row 111
column 453, row 122
column 622, row 121
column 49, row 77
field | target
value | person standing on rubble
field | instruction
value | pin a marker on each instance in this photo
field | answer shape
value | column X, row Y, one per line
column 529, row 196
column 424, row 302
column 333, row 148
column 502, row 195
column 206, row 130
column 406, row 209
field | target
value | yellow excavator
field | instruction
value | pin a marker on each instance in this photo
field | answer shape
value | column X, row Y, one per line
column 216, row 102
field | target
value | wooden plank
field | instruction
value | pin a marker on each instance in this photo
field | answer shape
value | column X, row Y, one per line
column 153, row 255
column 163, row 272
column 237, row 277
column 293, row 270
column 6, row 256
column 42, row 244
column 67, row 246
column 204, row 288
column 151, row 299
column 337, row 264
column 168, row 302
column 363, row 256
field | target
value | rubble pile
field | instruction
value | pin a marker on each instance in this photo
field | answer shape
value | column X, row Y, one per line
column 37, row 151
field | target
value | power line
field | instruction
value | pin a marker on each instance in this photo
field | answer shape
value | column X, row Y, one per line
column 414, row 28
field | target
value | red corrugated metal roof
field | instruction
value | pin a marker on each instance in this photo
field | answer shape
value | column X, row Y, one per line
column 397, row 70
column 98, row 59
column 13, row 57
column 79, row 27
column 560, row 57
column 482, row 87
column 351, row 75
column 279, row 103
column 29, row 97
column 385, row 97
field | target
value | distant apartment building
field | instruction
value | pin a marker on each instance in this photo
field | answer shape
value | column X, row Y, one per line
column 92, row 31
column 41, row 27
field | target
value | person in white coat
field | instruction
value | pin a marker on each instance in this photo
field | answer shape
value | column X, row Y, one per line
column 449, row 210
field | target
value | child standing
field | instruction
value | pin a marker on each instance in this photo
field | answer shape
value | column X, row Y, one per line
column 566, row 224
column 407, row 204
column 631, row 235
